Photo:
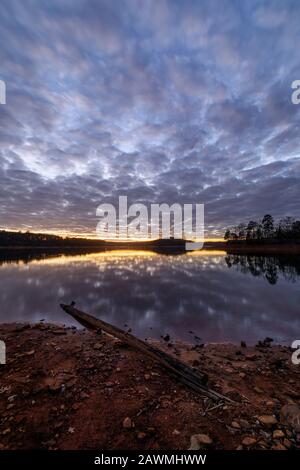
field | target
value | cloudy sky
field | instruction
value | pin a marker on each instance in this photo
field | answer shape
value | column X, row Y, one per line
column 162, row 101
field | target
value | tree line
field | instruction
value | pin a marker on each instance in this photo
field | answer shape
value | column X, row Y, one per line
column 266, row 229
column 8, row 238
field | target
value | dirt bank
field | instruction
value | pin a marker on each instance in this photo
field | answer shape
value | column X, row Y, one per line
column 64, row 388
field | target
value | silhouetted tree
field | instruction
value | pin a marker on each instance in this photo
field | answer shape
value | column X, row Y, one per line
column 267, row 226
column 267, row 229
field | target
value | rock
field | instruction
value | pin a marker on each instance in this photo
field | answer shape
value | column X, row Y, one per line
column 242, row 375
column 141, row 435
column 59, row 332
column 249, row 441
column 147, row 376
column 278, row 434
column 270, row 403
column 11, row 398
column 127, row 423
column 251, row 356
column 258, row 390
column 267, row 420
column 287, row 443
column 278, row 447
column 6, row 431
column 244, row 423
column 98, row 346
column 290, row 416
column 199, row 440
column 263, row 444
column 176, row 432
column 235, row 425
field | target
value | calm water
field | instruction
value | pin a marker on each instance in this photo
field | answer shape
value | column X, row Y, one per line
column 216, row 296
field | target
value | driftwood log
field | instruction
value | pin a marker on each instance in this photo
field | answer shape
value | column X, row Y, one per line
column 185, row 374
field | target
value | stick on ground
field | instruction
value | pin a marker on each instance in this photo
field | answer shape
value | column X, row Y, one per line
column 185, row 374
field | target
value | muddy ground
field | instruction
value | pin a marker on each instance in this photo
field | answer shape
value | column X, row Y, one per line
column 64, row 388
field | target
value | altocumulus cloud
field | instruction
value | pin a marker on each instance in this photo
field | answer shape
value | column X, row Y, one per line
column 163, row 101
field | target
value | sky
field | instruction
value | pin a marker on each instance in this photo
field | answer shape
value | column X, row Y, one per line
column 161, row 101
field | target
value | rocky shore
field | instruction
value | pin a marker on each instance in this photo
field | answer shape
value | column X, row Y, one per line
column 65, row 388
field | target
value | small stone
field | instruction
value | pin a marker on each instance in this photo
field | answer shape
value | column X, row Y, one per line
column 147, row 376
column 98, row 346
column 258, row 390
column 71, row 430
column 263, row 444
column 290, row 415
column 278, row 447
column 242, row 375
column 235, row 425
column 6, row 431
column 244, row 423
column 141, row 435
column 287, row 443
column 251, row 356
column 11, row 398
column 249, row 441
column 199, row 440
column 267, row 420
column 127, row 423
column 270, row 403
column 176, row 432
column 278, row 434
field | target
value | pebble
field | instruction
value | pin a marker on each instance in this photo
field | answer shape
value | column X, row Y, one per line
column 141, row 435
column 267, row 420
column 244, row 423
column 270, row 403
column 278, row 434
column 287, row 443
column 290, row 415
column 278, row 447
column 235, row 425
column 199, row 440
column 6, row 431
column 249, row 441
column 127, row 423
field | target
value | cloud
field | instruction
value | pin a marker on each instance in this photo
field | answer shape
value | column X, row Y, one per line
column 162, row 101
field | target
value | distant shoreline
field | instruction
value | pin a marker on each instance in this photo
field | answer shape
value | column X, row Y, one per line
column 161, row 246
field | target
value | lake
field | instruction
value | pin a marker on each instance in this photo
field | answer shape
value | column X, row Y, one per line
column 212, row 295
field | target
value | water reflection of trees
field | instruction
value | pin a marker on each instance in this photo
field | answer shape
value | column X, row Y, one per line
column 269, row 267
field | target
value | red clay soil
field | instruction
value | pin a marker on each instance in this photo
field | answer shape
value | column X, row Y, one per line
column 64, row 388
